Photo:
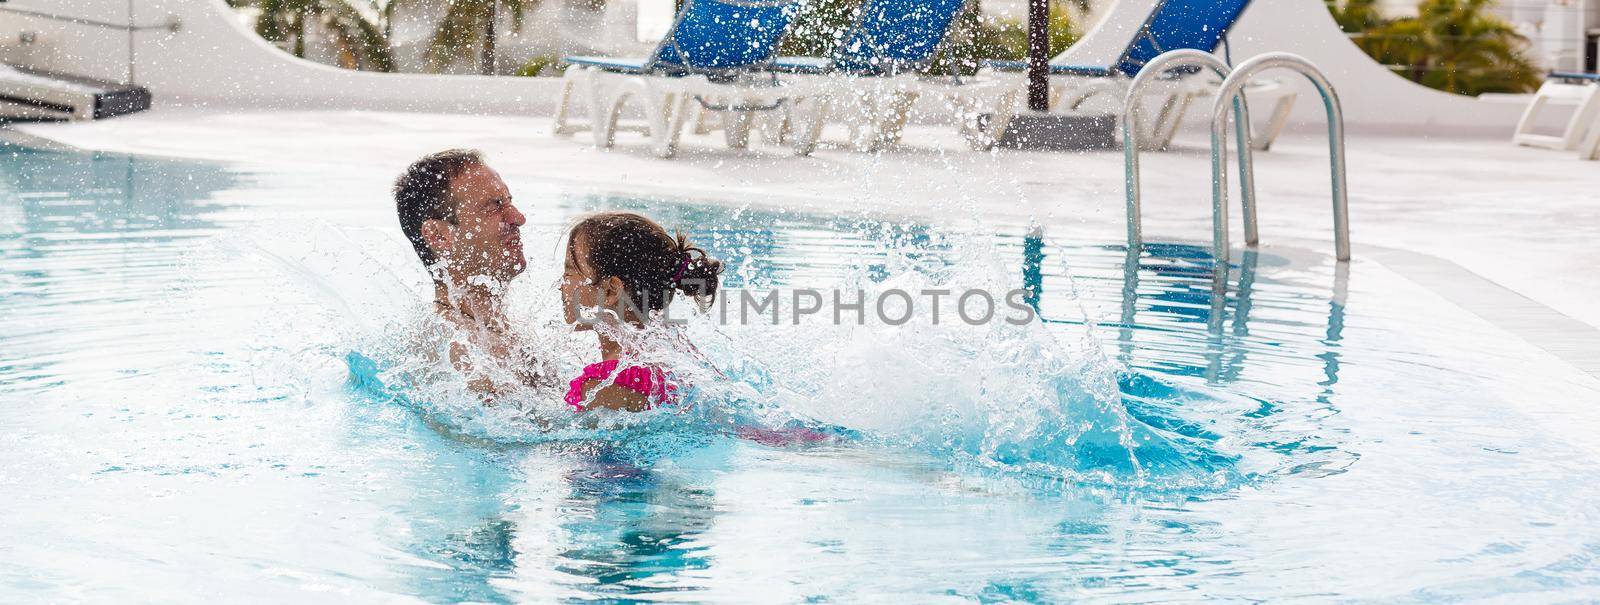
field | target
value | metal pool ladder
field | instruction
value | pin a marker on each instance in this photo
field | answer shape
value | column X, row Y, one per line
column 1155, row 70
column 1231, row 94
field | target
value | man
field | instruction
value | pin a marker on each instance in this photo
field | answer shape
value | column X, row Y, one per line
column 460, row 219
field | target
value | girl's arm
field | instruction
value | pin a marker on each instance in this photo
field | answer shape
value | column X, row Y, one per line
column 615, row 397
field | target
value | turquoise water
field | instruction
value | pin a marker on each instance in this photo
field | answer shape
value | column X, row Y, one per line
column 181, row 422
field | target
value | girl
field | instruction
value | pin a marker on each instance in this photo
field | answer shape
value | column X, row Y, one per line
column 630, row 268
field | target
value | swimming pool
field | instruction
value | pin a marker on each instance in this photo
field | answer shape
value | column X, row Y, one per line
column 181, row 423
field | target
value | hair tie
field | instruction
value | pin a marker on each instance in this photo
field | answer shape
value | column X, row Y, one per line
column 682, row 266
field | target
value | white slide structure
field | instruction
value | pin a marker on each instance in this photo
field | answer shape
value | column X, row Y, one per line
column 215, row 60
column 33, row 95
column 1374, row 99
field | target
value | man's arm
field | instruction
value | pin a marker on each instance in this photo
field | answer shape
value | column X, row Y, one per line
column 478, row 382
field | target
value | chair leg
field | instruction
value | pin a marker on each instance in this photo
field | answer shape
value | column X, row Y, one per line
column 870, row 137
column 774, row 125
column 676, row 108
column 657, row 110
column 1275, row 124
column 602, row 112
column 897, row 114
column 967, row 115
column 736, row 128
column 650, row 100
column 1167, row 121
column 1005, row 108
column 663, row 104
column 862, row 121
column 972, row 131
column 569, row 82
column 1589, row 147
column 1010, row 103
column 1584, row 117
column 704, row 120
column 810, row 115
column 1531, row 114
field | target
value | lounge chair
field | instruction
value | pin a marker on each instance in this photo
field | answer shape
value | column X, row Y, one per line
column 876, row 69
column 1580, row 90
column 878, row 64
column 1097, row 70
column 714, row 55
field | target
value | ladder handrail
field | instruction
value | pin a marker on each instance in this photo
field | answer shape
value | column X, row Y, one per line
column 1233, row 86
column 1156, row 68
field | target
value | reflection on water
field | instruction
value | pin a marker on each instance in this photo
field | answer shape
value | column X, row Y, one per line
column 95, row 233
column 103, row 194
column 636, row 524
column 1172, row 322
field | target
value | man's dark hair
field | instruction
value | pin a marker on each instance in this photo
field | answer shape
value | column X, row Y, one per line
column 422, row 193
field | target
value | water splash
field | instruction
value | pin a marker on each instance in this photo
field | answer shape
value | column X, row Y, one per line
column 1037, row 402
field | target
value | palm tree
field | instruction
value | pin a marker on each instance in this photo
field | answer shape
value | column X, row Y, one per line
column 978, row 37
column 344, row 24
column 821, row 23
column 818, row 27
column 1452, row 45
column 1356, row 16
column 468, row 23
column 1473, row 52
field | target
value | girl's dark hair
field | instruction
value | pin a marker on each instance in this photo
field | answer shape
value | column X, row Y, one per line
column 651, row 263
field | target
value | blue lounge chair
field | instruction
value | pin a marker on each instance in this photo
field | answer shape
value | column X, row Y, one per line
column 1166, row 25
column 1582, row 131
column 888, row 39
column 715, row 54
column 1103, row 63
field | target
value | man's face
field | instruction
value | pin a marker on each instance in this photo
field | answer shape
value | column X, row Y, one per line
column 486, row 238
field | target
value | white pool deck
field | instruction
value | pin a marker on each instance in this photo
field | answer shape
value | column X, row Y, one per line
column 1509, row 233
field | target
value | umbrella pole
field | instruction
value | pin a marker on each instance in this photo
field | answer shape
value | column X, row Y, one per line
column 1039, row 55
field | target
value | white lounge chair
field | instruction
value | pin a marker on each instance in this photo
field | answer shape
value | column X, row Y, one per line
column 1579, row 90
column 713, row 56
column 874, row 76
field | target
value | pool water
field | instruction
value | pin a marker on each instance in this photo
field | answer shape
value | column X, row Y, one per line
column 182, row 423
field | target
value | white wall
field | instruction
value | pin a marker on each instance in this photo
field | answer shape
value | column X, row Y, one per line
column 218, row 61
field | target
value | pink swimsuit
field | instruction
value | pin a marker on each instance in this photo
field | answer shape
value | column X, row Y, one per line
column 653, row 383
column 649, row 382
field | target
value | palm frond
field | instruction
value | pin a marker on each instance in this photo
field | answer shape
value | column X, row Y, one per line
column 1453, row 45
